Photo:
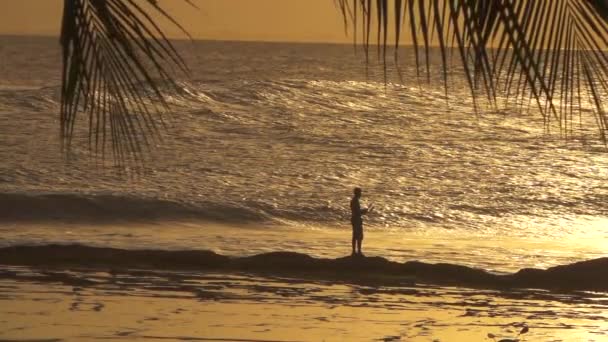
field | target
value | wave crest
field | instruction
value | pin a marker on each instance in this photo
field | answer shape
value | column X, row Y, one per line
column 108, row 207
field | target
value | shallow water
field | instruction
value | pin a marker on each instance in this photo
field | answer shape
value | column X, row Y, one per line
column 500, row 254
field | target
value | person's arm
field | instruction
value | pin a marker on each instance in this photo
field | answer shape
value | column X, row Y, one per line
column 367, row 210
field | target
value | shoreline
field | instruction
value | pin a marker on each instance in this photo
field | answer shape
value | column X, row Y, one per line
column 590, row 275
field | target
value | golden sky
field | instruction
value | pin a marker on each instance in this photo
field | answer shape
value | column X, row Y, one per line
column 268, row 20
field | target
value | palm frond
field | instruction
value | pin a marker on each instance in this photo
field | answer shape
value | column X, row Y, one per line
column 116, row 61
column 551, row 52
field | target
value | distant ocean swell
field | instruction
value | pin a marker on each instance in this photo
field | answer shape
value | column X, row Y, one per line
column 280, row 96
column 34, row 99
column 584, row 276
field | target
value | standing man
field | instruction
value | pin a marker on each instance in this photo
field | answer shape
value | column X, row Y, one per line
column 357, row 221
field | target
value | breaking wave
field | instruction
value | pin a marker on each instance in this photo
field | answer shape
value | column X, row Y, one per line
column 101, row 208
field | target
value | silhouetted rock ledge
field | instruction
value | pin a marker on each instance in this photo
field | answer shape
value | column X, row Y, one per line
column 591, row 275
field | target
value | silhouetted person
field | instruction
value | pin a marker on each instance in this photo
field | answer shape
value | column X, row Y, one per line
column 357, row 220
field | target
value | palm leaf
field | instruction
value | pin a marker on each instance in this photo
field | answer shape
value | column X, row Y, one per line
column 116, row 63
column 551, row 52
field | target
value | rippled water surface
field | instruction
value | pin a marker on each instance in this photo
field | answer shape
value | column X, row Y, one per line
column 282, row 132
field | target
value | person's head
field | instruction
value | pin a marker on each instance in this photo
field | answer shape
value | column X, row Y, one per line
column 357, row 192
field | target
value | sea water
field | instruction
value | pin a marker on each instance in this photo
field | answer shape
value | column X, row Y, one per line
column 265, row 143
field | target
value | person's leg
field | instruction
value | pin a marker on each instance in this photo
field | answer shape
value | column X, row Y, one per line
column 355, row 225
column 357, row 236
column 360, row 240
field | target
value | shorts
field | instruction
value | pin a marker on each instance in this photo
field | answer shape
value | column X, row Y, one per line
column 357, row 228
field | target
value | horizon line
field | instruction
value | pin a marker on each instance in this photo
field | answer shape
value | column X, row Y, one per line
column 311, row 42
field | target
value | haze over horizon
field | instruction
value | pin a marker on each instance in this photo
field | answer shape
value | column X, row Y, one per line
column 300, row 21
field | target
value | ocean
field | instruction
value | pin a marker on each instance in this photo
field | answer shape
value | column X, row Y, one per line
column 236, row 227
column 265, row 143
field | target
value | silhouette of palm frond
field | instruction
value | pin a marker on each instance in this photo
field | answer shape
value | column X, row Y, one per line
column 116, row 63
column 547, row 51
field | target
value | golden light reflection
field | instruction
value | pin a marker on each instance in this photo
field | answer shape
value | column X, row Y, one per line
column 261, row 309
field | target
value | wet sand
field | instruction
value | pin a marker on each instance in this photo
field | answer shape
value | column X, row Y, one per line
column 75, row 304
